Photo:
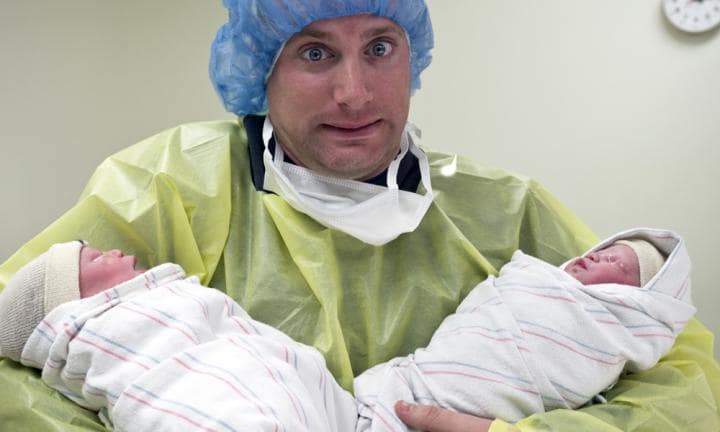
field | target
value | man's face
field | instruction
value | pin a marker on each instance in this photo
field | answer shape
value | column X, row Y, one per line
column 102, row 270
column 614, row 264
column 339, row 95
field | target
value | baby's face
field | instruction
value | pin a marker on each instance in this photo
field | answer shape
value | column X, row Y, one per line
column 614, row 264
column 102, row 270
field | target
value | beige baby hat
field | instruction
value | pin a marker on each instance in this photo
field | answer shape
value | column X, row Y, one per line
column 649, row 258
column 36, row 289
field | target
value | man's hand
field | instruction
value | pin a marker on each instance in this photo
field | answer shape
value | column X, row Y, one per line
column 434, row 419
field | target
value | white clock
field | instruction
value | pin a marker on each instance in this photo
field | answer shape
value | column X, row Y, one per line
column 693, row 16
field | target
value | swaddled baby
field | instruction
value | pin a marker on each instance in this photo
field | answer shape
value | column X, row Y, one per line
column 154, row 350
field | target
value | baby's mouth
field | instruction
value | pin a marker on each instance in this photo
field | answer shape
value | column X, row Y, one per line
column 135, row 266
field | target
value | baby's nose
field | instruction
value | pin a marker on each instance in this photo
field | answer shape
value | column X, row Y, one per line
column 592, row 256
column 115, row 253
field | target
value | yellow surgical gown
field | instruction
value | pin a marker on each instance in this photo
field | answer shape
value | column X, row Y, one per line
column 186, row 195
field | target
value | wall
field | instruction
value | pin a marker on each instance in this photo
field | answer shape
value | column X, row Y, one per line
column 81, row 79
column 605, row 104
column 608, row 106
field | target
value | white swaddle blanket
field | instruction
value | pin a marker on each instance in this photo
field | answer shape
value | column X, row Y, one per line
column 162, row 353
column 535, row 339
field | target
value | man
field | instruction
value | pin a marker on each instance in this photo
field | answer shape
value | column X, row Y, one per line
column 325, row 220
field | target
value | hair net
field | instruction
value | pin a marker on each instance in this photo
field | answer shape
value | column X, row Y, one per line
column 245, row 47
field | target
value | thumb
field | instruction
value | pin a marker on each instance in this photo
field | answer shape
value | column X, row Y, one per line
column 435, row 419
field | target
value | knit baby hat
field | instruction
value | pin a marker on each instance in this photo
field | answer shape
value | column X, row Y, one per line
column 36, row 289
column 649, row 258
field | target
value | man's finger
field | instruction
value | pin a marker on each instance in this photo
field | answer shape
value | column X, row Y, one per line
column 434, row 419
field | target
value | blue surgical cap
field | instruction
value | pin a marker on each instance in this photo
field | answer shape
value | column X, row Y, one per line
column 245, row 47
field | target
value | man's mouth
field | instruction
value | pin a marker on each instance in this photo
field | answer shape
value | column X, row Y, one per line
column 352, row 127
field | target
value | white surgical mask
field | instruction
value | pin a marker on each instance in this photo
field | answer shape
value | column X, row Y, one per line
column 371, row 213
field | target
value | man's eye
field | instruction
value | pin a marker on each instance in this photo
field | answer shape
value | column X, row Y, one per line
column 315, row 54
column 380, row 49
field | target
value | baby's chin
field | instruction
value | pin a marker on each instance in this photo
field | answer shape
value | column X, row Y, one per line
column 581, row 275
column 131, row 275
column 574, row 271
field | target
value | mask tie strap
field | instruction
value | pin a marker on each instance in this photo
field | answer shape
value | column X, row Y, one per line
column 267, row 133
column 415, row 131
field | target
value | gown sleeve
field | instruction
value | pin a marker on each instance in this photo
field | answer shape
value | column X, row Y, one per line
column 679, row 393
column 165, row 199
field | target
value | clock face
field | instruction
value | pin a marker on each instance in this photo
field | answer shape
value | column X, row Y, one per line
column 693, row 16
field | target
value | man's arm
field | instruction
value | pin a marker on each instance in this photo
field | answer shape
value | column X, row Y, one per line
column 165, row 199
column 680, row 393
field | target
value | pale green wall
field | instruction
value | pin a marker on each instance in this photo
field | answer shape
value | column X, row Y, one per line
column 602, row 102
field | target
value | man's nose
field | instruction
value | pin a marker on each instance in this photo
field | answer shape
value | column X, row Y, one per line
column 351, row 84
